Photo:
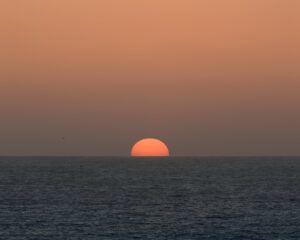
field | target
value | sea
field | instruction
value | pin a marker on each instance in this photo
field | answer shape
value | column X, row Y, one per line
column 119, row 198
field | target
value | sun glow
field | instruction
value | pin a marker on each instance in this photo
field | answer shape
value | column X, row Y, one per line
column 150, row 147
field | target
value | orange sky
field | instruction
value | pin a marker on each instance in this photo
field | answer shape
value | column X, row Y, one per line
column 207, row 77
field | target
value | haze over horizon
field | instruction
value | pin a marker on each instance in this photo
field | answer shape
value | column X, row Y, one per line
column 93, row 77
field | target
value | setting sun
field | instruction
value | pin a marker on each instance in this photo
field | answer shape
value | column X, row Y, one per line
column 150, row 147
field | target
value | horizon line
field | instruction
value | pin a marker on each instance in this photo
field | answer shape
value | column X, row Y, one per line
column 174, row 156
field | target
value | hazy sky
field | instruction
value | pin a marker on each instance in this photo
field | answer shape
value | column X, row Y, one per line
column 91, row 77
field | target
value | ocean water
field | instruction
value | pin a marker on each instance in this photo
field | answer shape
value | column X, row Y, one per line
column 149, row 198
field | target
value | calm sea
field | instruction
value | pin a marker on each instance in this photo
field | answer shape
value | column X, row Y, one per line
column 174, row 198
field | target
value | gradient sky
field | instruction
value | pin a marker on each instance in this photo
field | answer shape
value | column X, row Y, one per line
column 215, row 77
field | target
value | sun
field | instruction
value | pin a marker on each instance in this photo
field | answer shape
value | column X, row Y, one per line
column 150, row 147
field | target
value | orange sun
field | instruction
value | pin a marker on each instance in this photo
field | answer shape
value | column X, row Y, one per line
column 150, row 147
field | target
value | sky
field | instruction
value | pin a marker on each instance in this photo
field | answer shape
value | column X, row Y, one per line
column 215, row 77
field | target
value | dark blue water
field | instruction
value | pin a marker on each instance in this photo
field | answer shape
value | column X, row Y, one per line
column 176, row 198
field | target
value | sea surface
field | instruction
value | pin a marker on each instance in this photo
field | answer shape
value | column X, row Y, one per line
column 149, row 198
